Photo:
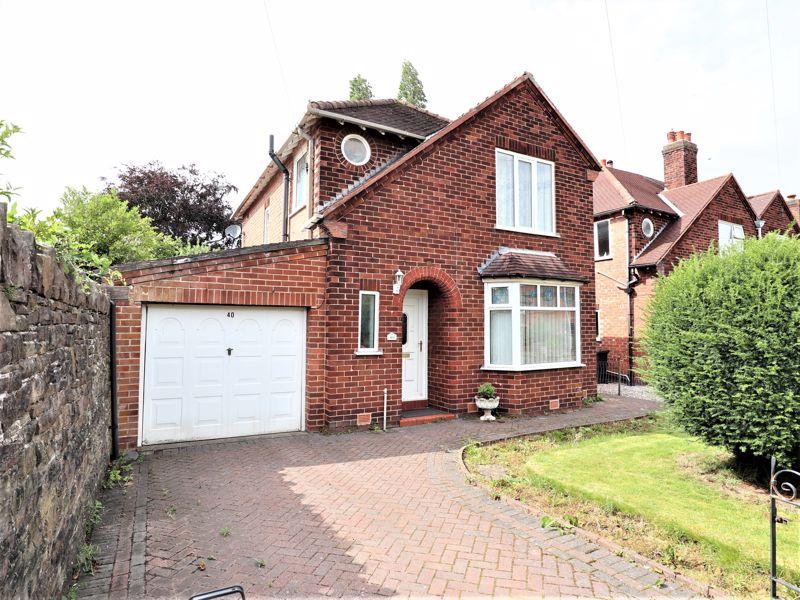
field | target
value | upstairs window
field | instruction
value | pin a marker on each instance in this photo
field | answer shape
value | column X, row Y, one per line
column 525, row 193
column 730, row 235
column 356, row 150
column 602, row 239
column 300, row 182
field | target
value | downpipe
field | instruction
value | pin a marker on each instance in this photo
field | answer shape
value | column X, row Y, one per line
column 385, row 405
column 285, row 172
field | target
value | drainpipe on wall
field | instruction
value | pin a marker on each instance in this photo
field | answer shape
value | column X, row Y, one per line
column 760, row 226
column 112, row 373
column 285, row 172
column 633, row 281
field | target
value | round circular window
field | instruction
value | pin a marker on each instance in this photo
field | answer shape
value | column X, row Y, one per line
column 647, row 228
column 356, row 149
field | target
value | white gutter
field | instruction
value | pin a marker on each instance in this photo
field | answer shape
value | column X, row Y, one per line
column 361, row 123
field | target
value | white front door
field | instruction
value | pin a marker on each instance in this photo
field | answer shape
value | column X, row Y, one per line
column 415, row 345
column 221, row 371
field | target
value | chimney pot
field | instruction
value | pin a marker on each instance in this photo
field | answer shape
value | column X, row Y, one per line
column 610, row 163
column 688, row 137
column 680, row 160
column 671, row 136
column 603, row 162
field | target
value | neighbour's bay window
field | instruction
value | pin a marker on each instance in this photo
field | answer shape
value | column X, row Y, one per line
column 531, row 325
column 525, row 193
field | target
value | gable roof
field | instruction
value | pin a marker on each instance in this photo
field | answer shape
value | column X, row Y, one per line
column 615, row 189
column 526, row 78
column 691, row 200
column 396, row 115
column 760, row 202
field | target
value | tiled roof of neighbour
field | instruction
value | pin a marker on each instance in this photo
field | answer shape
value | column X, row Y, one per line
column 690, row 200
column 760, row 202
column 615, row 189
column 390, row 113
column 508, row 263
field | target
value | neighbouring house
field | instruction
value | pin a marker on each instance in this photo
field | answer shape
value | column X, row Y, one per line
column 774, row 212
column 643, row 226
column 392, row 261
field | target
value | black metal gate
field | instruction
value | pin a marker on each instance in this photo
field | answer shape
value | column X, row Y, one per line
column 784, row 489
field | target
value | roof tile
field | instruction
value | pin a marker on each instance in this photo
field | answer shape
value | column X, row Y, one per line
column 524, row 264
column 389, row 112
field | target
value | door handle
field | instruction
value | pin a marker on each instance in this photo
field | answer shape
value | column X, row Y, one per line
column 229, row 351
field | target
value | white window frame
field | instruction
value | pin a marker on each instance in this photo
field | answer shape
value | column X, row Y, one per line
column 296, row 175
column 733, row 241
column 376, row 349
column 532, row 160
column 652, row 228
column 513, row 286
column 610, row 254
column 366, row 143
column 266, row 225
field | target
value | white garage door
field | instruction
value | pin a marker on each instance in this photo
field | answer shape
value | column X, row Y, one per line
column 222, row 371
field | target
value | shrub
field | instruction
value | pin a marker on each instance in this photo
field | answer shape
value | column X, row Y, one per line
column 723, row 347
column 486, row 390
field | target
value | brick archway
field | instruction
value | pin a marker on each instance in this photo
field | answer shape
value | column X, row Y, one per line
column 447, row 286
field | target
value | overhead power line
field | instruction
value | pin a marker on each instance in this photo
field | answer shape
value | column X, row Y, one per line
column 774, row 101
column 616, row 81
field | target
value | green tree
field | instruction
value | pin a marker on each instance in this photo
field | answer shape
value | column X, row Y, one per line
column 722, row 346
column 6, row 131
column 410, row 86
column 360, row 89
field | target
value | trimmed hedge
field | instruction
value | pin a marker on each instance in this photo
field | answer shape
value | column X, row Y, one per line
column 723, row 347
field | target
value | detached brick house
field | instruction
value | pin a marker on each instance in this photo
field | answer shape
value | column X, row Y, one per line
column 644, row 226
column 419, row 258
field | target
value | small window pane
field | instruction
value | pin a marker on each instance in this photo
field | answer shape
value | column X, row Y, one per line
column 367, row 339
column 603, row 239
column 500, row 295
column 527, row 295
column 566, row 296
column 301, row 182
column 544, row 197
column 505, row 190
column 549, row 297
column 355, row 150
column 547, row 337
column 525, row 194
column 500, row 337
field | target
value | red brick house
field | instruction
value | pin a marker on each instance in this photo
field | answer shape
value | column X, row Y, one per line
column 419, row 258
column 776, row 214
column 643, row 226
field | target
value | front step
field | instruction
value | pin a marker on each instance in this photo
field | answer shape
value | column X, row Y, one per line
column 423, row 416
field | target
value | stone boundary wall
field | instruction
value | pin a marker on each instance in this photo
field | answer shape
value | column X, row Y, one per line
column 55, row 414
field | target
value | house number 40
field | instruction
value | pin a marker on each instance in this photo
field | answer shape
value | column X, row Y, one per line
column 230, row 315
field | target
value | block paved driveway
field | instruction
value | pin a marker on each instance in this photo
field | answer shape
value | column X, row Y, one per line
column 359, row 514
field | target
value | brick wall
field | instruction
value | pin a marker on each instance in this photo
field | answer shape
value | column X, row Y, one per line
column 680, row 161
column 778, row 218
column 55, row 407
column 280, row 275
column 611, row 275
column 435, row 220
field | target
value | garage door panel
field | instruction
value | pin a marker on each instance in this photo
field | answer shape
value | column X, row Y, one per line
column 222, row 371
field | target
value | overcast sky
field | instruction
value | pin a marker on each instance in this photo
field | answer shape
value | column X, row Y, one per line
column 99, row 84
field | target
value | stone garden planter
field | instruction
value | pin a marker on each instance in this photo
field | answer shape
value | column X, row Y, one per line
column 487, row 405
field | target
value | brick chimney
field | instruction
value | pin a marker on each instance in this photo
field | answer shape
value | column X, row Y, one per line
column 794, row 206
column 680, row 160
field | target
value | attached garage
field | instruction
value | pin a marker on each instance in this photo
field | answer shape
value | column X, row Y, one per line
column 221, row 371
column 221, row 345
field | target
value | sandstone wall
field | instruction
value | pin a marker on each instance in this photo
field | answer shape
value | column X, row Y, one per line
column 55, row 407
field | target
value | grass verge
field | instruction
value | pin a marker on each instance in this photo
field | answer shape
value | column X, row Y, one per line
column 651, row 488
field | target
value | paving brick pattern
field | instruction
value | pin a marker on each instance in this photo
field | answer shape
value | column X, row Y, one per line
column 361, row 514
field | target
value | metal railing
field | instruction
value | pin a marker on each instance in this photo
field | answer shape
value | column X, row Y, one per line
column 784, row 489
column 610, row 371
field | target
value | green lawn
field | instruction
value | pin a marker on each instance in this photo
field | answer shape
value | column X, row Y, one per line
column 677, row 492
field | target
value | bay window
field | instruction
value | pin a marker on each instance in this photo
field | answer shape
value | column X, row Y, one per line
column 524, row 193
column 531, row 325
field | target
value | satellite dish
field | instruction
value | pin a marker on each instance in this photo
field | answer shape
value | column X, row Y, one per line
column 233, row 231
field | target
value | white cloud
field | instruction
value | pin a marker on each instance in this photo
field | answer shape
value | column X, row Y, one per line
column 98, row 84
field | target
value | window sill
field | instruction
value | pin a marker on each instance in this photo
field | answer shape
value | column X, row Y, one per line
column 377, row 352
column 527, row 231
column 549, row 367
column 297, row 210
column 602, row 258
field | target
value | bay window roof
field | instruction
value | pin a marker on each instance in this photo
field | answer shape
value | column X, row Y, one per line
column 509, row 263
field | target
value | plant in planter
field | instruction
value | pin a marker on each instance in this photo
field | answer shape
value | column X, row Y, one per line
column 487, row 400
